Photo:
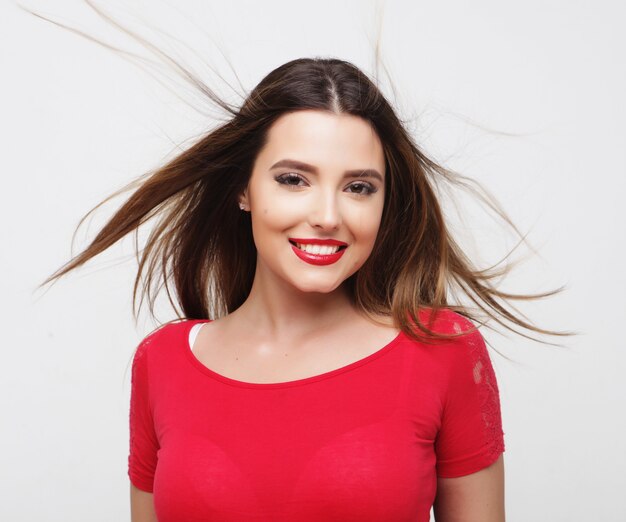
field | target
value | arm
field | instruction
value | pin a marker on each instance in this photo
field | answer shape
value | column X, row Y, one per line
column 143, row 443
column 141, row 505
column 478, row 497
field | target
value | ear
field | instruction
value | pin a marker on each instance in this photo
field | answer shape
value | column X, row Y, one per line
column 243, row 200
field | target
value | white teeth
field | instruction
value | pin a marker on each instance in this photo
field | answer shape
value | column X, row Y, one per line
column 318, row 249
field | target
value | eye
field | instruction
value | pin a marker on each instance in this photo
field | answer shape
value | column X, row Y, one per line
column 369, row 189
column 292, row 180
column 287, row 179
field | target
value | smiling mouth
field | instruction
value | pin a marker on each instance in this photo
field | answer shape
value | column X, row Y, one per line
column 318, row 249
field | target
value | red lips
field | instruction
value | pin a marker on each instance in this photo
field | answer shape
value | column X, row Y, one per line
column 314, row 241
column 318, row 259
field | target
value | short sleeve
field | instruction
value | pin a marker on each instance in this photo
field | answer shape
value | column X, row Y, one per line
column 470, row 437
column 143, row 446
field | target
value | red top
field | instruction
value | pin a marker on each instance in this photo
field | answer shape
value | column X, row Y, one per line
column 364, row 442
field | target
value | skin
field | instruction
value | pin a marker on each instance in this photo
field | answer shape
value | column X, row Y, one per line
column 291, row 299
column 298, row 314
column 478, row 497
column 141, row 505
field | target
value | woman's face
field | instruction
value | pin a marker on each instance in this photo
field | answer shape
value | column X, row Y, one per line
column 306, row 184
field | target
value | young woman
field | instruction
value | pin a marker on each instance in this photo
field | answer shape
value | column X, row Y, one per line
column 320, row 368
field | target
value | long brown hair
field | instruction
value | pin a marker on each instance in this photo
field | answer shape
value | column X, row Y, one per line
column 203, row 243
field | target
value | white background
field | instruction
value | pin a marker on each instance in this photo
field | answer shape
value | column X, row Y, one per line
column 78, row 123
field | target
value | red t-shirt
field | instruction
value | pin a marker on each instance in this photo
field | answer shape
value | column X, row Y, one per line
column 364, row 442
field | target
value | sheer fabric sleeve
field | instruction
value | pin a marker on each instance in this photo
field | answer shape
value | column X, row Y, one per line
column 470, row 436
column 143, row 446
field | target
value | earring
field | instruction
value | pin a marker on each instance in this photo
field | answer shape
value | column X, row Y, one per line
column 242, row 206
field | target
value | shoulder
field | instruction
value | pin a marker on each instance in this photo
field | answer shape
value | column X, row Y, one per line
column 447, row 321
column 464, row 360
column 158, row 337
column 459, row 353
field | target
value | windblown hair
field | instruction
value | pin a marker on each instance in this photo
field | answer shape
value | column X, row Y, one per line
column 204, row 244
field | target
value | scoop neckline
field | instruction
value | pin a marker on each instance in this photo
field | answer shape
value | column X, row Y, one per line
column 183, row 342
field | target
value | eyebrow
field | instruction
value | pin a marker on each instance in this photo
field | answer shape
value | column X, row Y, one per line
column 299, row 165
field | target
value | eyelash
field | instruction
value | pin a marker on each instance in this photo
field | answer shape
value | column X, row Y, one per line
column 282, row 179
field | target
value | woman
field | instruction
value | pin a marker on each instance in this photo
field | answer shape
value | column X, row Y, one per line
column 321, row 370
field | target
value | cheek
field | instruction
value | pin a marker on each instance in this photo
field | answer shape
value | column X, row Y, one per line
column 267, row 210
column 266, row 221
column 367, row 223
column 271, row 207
column 365, row 231
column 269, row 223
column 277, row 217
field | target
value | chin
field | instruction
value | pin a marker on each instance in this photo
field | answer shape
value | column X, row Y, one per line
column 316, row 286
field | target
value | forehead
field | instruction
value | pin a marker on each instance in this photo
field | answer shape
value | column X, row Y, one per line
column 324, row 139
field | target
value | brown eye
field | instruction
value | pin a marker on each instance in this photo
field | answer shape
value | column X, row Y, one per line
column 289, row 179
column 367, row 189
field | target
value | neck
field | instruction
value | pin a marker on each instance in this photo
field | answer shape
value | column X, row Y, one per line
column 278, row 310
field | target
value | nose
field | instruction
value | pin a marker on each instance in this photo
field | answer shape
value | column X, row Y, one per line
column 325, row 214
